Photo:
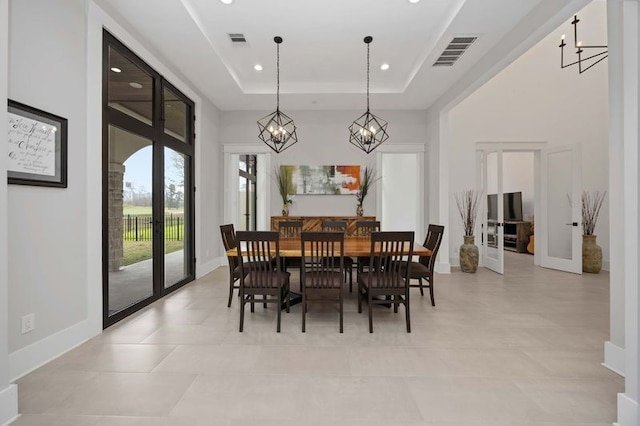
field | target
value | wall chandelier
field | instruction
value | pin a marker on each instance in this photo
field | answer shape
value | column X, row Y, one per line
column 367, row 132
column 277, row 129
column 584, row 63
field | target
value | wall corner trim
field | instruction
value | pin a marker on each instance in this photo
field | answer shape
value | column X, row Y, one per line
column 8, row 404
column 614, row 358
column 27, row 359
column 627, row 411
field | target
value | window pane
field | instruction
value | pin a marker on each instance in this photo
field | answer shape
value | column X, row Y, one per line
column 175, row 116
column 130, row 219
column 175, row 237
column 130, row 88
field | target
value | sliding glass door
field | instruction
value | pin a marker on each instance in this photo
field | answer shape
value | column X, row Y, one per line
column 148, row 232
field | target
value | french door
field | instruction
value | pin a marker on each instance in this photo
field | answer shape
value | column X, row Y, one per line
column 492, row 213
column 561, row 238
column 148, row 211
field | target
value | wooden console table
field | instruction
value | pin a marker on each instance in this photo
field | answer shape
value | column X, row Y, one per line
column 314, row 223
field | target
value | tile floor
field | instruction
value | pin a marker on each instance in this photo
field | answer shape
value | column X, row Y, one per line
column 520, row 349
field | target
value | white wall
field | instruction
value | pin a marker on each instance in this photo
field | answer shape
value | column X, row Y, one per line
column 323, row 138
column 533, row 100
column 54, row 237
column 47, row 226
column 8, row 393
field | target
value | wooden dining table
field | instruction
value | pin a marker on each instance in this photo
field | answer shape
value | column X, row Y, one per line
column 353, row 247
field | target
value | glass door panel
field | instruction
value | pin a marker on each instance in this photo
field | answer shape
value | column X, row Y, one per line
column 130, row 219
column 561, row 210
column 176, row 265
column 492, row 173
column 130, row 88
column 175, row 116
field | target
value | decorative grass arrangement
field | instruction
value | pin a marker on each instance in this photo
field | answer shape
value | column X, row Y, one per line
column 591, row 203
column 366, row 182
column 468, row 203
column 285, row 184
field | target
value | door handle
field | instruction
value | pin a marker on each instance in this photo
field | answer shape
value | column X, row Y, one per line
column 572, row 224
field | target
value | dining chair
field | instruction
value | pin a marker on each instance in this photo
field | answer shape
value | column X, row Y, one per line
column 424, row 267
column 258, row 277
column 341, row 226
column 322, row 270
column 364, row 229
column 388, row 282
column 229, row 241
column 290, row 229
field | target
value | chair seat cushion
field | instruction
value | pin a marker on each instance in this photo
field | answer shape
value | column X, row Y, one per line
column 374, row 281
column 418, row 270
column 266, row 279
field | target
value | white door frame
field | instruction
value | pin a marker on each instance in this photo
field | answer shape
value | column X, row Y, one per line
column 536, row 148
column 263, row 184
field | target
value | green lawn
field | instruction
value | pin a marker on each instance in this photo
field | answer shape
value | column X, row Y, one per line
column 137, row 251
column 145, row 210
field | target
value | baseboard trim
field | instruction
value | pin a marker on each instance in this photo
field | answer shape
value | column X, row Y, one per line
column 211, row 265
column 27, row 359
column 8, row 404
column 443, row 267
column 627, row 411
column 614, row 358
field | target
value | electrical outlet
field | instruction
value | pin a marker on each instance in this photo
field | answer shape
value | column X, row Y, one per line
column 28, row 323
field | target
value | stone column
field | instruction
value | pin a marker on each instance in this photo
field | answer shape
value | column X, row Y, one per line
column 116, row 252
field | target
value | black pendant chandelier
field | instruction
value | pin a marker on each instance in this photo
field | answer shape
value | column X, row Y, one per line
column 367, row 132
column 277, row 129
column 584, row 63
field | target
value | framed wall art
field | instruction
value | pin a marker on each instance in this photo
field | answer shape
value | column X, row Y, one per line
column 324, row 180
column 37, row 147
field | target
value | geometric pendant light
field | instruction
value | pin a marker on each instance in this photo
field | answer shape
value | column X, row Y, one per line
column 277, row 129
column 583, row 62
column 368, row 132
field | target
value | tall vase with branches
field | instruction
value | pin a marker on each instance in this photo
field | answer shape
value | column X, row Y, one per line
column 468, row 203
column 591, row 252
column 367, row 179
column 284, row 180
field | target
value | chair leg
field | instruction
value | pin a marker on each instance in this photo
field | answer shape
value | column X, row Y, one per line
column 369, row 298
column 350, row 280
column 341, row 311
column 421, row 290
column 288, row 297
column 279, row 309
column 230, row 291
column 304, row 310
column 241, row 312
column 359, row 298
column 406, row 309
column 395, row 304
column 264, row 303
column 433, row 302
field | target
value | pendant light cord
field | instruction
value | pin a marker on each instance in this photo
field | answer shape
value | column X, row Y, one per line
column 367, row 77
column 278, row 76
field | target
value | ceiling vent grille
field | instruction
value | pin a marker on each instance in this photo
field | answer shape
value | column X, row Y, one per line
column 454, row 51
column 237, row 38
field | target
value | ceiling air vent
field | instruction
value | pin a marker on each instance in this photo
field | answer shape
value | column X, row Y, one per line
column 237, row 38
column 453, row 51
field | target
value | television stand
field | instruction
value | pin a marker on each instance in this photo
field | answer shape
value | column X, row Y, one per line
column 516, row 235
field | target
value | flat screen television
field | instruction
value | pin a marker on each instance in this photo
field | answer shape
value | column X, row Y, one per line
column 512, row 206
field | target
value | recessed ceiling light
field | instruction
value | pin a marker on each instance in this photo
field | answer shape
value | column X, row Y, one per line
column 257, row 67
column 226, row 1
column 116, row 69
column 384, row 66
column 135, row 85
column 414, row 1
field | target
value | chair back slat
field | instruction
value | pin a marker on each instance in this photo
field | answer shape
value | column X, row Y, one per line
column 323, row 256
column 432, row 242
column 229, row 241
column 257, row 250
column 390, row 254
column 290, row 228
column 334, row 225
column 365, row 228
